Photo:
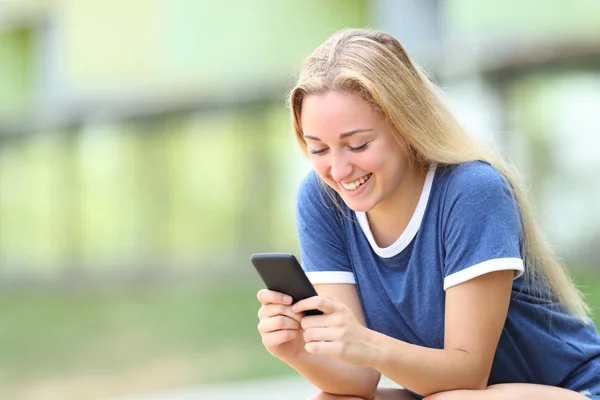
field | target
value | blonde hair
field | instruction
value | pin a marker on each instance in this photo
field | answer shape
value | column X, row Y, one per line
column 374, row 66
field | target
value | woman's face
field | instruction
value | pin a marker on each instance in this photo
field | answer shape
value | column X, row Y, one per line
column 353, row 149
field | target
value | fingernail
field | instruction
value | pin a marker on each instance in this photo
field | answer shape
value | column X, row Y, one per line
column 287, row 299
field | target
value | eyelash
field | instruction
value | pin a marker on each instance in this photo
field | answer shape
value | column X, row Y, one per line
column 358, row 149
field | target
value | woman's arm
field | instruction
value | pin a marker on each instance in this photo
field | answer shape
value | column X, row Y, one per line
column 474, row 317
column 332, row 375
column 475, row 314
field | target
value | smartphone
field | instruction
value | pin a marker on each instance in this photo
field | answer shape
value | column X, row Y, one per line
column 282, row 273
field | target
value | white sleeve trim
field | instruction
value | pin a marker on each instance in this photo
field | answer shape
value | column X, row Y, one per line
column 324, row 277
column 497, row 264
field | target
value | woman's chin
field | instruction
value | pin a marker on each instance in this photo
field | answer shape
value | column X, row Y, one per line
column 358, row 206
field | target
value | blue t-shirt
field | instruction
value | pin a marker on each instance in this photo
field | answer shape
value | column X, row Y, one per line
column 465, row 225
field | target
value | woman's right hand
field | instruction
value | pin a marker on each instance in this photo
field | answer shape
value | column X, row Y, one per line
column 278, row 325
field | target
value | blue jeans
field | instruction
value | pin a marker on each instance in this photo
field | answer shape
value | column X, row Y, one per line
column 593, row 392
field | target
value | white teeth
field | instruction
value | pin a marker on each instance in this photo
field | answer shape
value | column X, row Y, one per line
column 356, row 184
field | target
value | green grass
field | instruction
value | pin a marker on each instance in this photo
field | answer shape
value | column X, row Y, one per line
column 210, row 334
column 132, row 340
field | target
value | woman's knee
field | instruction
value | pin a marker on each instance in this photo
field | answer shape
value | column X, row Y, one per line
column 450, row 395
column 460, row 395
column 382, row 394
column 328, row 396
column 510, row 391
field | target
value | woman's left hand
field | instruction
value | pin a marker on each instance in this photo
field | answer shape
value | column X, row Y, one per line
column 336, row 333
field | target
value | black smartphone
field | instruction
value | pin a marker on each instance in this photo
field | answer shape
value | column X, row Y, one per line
column 282, row 273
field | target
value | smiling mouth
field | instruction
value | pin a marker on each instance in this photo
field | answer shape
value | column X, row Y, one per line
column 357, row 183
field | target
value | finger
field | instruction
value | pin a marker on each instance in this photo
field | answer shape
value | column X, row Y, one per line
column 276, row 338
column 334, row 320
column 333, row 349
column 315, row 321
column 320, row 335
column 266, row 296
column 325, row 304
column 277, row 323
column 271, row 310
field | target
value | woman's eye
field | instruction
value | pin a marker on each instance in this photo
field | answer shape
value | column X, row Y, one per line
column 317, row 151
column 359, row 148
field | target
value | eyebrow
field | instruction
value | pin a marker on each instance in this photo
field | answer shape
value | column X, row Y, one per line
column 342, row 135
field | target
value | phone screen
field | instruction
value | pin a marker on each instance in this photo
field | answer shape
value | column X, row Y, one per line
column 281, row 272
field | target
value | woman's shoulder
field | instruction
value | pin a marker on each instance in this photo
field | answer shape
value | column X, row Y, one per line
column 475, row 171
column 313, row 193
column 309, row 183
column 309, row 188
column 473, row 177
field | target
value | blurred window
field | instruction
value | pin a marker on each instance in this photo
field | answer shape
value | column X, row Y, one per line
column 16, row 72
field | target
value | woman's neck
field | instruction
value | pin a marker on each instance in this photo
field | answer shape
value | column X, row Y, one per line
column 389, row 218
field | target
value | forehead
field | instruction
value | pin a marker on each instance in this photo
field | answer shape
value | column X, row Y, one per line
column 335, row 112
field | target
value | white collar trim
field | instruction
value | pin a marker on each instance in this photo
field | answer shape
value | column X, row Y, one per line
column 411, row 229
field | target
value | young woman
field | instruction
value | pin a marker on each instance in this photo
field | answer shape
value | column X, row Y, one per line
column 423, row 249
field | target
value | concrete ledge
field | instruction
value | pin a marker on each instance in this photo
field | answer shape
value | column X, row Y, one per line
column 291, row 388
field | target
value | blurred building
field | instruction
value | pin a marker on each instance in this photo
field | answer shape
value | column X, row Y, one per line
column 141, row 137
column 525, row 77
column 149, row 138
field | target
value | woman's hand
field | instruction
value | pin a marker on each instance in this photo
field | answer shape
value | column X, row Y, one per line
column 278, row 325
column 337, row 332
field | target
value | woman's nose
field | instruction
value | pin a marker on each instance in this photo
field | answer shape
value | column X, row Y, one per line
column 340, row 167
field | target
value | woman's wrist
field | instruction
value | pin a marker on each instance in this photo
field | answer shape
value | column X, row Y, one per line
column 377, row 354
column 299, row 356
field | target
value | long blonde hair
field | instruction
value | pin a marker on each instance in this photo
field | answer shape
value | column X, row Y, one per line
column 374, row 66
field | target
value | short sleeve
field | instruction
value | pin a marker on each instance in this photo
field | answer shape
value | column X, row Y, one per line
column 321, row 237
column 482, row 230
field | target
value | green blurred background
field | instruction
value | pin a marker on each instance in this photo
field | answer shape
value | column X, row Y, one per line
column 146, row 152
